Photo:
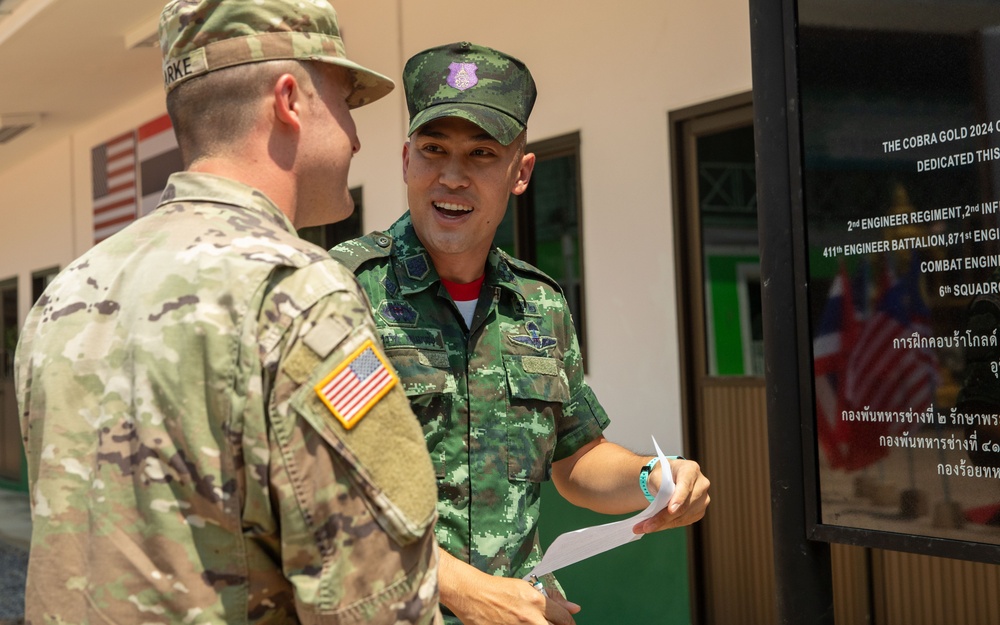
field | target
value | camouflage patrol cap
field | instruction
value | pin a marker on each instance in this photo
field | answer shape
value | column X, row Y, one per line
column 200, row 36
column 491, row 89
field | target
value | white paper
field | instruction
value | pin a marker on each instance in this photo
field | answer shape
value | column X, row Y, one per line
column 581, row 544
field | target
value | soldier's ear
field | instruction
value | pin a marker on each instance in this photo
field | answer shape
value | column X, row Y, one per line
column 287, row 102
column 526, row 166
column 406, row 159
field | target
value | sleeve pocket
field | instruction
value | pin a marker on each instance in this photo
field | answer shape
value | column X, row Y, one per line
column 399, row 486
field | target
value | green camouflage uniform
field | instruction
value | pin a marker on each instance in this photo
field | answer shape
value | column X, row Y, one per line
column 498, row 403
column 183, row 468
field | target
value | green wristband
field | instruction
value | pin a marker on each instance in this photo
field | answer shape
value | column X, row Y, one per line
column 644, row 476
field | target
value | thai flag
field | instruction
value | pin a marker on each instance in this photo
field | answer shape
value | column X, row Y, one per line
column 835, row 338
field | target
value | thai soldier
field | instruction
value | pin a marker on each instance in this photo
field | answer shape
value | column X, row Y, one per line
column 486, row 349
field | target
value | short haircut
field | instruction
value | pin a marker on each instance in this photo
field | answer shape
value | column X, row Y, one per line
column 213, row 112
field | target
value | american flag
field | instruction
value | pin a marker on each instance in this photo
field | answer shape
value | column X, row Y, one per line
column 113, row 169
column 857, row 367
column 889, row 378
column 130, row 172
column 356, row 385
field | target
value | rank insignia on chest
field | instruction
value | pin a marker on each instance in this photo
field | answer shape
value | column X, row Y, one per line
column 398, row 313
column 356, row 385
column 417, row 267
column 533, row 339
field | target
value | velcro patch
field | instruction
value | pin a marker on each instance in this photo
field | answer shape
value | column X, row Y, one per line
column 326, row 335
column 537, row 364
column 433, row 358
column 300, row 364
column 356, row 385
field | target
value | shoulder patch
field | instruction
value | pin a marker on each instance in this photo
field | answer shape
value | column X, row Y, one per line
column 352, row 254
column 356, row 385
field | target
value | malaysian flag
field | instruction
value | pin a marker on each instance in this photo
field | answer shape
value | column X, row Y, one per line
column 356, row 385
column 159, row 157
column 113, row 170
column 835, row 338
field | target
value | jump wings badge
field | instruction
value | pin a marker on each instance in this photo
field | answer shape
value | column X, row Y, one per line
column 533, row 339
column 463, row 75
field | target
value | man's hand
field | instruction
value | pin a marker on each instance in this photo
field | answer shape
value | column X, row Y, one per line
column 478, row 598
column 688, row 502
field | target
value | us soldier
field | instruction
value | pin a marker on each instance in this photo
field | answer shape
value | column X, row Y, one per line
column 486, row 349
column 212, row 433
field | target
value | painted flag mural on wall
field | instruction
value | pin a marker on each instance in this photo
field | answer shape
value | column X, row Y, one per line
column 159, row 157
column 113, row 171
column 129, row 173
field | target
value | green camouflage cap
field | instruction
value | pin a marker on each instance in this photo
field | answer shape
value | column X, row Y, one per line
column 200, row 36
column 491, row 89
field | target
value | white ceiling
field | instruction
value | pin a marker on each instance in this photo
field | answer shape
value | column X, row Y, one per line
column 70, row 61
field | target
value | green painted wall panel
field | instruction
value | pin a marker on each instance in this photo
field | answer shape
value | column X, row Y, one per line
column 642, row 583
column 726, row 312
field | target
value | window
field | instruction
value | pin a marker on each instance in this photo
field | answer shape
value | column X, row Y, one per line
column 8, row 327
column 543, row 225
column 727, row 206
column 40, row 280
column 329, row 235
column 10, row 434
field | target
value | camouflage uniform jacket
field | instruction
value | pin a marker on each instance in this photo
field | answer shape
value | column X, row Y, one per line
column 183, row 468
column 498, row 404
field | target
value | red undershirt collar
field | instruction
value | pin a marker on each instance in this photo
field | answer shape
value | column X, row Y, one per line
column 464, row 292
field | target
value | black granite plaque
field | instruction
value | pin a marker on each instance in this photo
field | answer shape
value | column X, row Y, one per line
column 900, row 155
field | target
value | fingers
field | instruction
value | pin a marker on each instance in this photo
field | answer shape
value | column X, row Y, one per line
column 559, row 611
column 687, row 504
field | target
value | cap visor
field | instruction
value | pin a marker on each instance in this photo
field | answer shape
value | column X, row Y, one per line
column 497, row 124
column 368, row 85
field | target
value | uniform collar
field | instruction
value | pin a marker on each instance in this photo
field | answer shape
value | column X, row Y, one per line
column 415, row 271
column 188, row 186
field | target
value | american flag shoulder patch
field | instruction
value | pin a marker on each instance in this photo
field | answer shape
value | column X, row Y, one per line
column 356, row 384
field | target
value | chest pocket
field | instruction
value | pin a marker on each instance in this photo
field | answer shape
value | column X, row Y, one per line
column 420, row 360
column 537, row 390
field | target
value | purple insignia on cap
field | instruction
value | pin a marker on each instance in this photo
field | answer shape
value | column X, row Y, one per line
column 463, row 75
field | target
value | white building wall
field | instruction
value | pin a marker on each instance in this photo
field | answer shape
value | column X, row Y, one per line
column 37, row 231
column 610, row 71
